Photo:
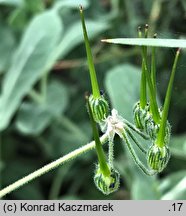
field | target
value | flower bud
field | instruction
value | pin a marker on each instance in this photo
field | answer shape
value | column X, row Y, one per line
column 107, row 184
column 152, row 129
column 99, row 107
column 158, row 157
column 139, row 115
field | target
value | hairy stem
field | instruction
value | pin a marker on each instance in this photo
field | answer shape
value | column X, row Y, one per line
column 58, row 180
column 134, row 156
column 45, row 169
column 131, row 126
column 135, row 141
column 111, row 152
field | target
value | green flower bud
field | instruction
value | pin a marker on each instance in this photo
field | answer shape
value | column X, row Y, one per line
column 99, row 107
column 158, row 157
column 107, row 184
column 152, row 129
column 143, row 120
column 139, row 115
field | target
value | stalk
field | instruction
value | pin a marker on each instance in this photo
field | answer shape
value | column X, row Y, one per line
column 161, row 133
column 93, row 77
column 64, row 159
column 152, row 94
column 145, row 78
column 100, row 153
column 143, row 91
column 153, row 67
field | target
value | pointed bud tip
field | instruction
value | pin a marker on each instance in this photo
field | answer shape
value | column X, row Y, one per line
column 139, row 28
column 87, row 95
column 146, row 26
column 178, row 50
column 81, row 8
column 155, row 35
column 104, row 40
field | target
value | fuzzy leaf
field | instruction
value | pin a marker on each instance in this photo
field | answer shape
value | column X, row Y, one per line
column 34, row 118
column 31, row 60
column 122, row 83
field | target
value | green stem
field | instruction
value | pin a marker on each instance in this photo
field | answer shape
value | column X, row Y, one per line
column 72, row 155
column 93, row 77
column 161, row 133
column 136, row 141
column 99, row 149
column 57, row 182
column 152, row 95
column 134, row 156
column 131, row 126
column 111, row 152
column 143, row 91
column 43, row 86
column 35, row 96
column 153, row 70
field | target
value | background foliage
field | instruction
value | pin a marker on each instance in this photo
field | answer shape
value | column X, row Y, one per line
column 43, row 76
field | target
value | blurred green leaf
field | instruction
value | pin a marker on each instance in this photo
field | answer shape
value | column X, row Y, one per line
column 178, row 192
column 31, row 61
column 57, row 98
column 145, row 188
column 122, row 83
column 7, row 45
column 20, row 17
column 35, row 6
column 63, row 139
column 170, row 181
column 178, row 146
column 34, row 118
column 148, row 42
column 12, row 2
column 70, row 3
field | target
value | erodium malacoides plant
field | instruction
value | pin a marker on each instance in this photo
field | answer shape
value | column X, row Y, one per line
column 150, row 121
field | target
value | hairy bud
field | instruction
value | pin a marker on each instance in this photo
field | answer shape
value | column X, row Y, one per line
column 139, row 115
column 99, row 107
column 107, row 184
column 158, row 157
